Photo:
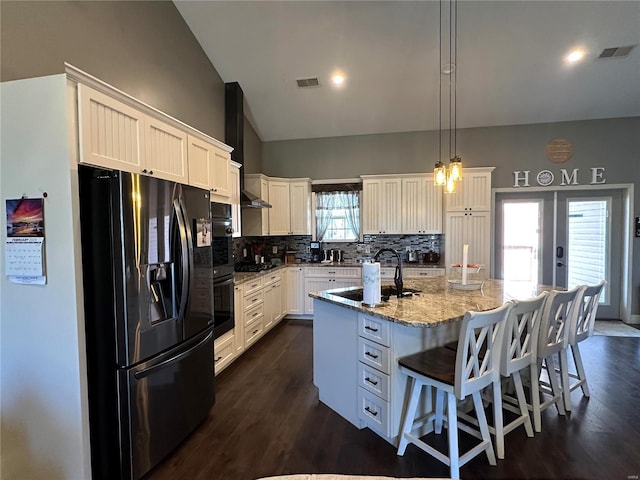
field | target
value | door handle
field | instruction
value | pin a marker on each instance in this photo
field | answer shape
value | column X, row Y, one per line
column 559, row 252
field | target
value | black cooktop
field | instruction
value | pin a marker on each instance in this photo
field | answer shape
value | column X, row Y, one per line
column 252, row 267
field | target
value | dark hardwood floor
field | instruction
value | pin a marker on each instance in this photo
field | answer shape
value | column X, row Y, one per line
column 267, row 420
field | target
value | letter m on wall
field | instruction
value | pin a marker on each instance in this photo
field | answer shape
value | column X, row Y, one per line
column 569, row 179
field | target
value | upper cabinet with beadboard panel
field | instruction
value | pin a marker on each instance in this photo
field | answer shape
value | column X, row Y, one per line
column 421, row 205
column 166, row 151
column 111, row 133
column 473, row 192
column 119, row 132
column 220, row 172
column 200, row 162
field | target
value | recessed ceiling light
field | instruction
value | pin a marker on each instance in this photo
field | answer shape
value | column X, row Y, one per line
column 337, row 79
column 575, row 56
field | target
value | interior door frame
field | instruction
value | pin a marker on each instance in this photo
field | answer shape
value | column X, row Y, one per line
column 627, row 231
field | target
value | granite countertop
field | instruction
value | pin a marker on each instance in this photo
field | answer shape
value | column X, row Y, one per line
column 242, row 277
column 437, row 302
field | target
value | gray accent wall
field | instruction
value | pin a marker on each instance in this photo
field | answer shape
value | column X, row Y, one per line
column 252, row 149
column 611, row 143
column 143, row 48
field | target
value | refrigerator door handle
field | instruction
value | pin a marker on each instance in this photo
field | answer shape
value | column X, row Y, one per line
column 176, row 358
column 189, row 242
column 185, row 258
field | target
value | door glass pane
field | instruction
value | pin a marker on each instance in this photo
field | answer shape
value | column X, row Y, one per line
column 521, row 244
column 588, row 242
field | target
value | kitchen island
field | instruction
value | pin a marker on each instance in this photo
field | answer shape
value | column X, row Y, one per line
column 355, row 348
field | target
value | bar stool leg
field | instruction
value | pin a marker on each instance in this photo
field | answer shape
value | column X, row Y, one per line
column 452, row 432
column 522, row 402
column 556, row 389
column 409, row 416
column 535, row 397
column 577, row 359
column 484, row 427
column 498, row 421
column 439, row 411
column 564, row 374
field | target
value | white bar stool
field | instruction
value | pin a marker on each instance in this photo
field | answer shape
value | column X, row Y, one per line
column 581, row 328
column 552, row 339
column 461, row 373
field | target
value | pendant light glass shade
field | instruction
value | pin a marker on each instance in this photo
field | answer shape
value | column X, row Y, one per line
column 455, row 167
column 440, row 174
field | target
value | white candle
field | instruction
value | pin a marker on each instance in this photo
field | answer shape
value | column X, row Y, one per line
column 465, row 260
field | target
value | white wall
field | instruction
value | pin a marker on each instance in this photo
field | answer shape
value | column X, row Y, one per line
column 43, row 404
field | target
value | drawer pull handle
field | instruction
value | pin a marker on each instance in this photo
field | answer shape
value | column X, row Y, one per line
column 375, row 414
column 371, row 355
column 254, row 314
column 218, row 359
column 254, row 332
column 367, row 327
column 372, row 382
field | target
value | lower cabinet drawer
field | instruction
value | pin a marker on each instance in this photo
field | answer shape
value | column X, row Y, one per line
column 256, row 298
column 373, row 380
column 374, row 355
column 374, row 412
column 254, row 314
column 253, row 331
column 223, row 351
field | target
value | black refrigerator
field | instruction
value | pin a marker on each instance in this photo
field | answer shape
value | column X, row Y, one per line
column 148, row 296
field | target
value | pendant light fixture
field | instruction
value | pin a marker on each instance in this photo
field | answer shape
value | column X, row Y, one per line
column 448, row 175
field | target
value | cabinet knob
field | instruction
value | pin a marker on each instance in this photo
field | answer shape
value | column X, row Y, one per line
column 150, row 172
column 144, row 170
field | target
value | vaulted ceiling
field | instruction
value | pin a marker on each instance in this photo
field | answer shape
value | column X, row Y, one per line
column 511, row 62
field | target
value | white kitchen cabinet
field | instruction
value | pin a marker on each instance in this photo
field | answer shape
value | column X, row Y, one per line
column 117, row 136
column 412, row 273
column 209, row 168
column 234, row 198
column 290, row 212
column 255, row 221
column 253, row 311
column 468, row 220
column 238, row 316
column 421, row 205
column 300, row 206
column 381, row 205
column 279, row 213
column 473, row 192
column 224, row 351
column 473, row 229
column 165, row 151
column 111, row 133
column 326, row 278
column 272, row 299
column 294, row 286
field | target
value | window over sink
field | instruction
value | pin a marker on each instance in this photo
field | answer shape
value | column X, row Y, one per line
column 337, row 216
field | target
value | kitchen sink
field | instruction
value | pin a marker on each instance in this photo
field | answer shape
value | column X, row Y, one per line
column 386, row 291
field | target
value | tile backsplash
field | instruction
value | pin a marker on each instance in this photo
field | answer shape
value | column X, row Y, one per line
column 352, row 250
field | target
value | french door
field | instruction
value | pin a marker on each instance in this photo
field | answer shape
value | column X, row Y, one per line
column 561, row 238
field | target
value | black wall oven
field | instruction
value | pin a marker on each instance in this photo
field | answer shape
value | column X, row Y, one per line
column 222, row 246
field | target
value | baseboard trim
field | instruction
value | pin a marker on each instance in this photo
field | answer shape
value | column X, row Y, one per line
column 635, row 319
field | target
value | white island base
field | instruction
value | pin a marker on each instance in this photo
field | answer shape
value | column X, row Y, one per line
column 355, row 363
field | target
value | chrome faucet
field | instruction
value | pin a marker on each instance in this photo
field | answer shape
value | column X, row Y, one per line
column 397, row 279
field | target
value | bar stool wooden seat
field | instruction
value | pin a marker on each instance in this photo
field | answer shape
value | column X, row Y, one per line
column 457, row 374
column 581, row 328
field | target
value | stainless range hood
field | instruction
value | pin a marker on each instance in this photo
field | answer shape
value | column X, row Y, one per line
column 234, row 137
column 249, row 200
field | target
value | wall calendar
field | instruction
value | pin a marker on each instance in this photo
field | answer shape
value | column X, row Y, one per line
column 24, row 248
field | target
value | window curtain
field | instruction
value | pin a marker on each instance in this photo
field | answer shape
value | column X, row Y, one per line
column 327, row 202
column 324, row 209
column 350, row 201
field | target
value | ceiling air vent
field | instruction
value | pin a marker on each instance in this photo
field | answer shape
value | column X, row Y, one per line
column 616, row 52
column 308, row 82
